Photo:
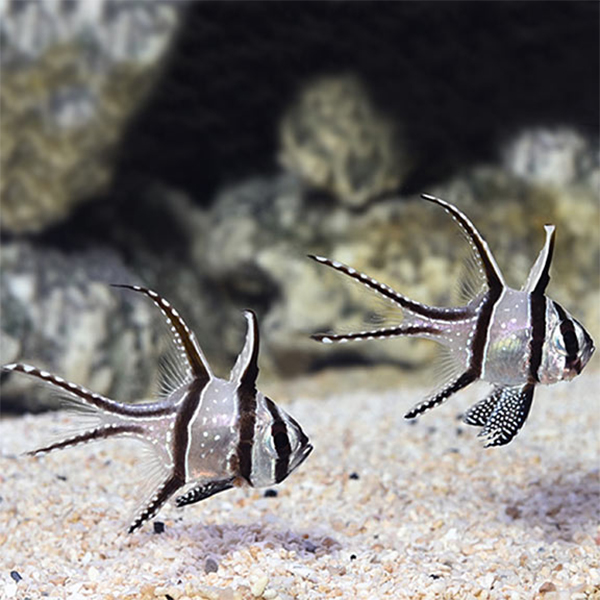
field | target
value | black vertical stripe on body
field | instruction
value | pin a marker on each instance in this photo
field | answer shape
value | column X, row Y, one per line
column 246, row 394
column 181, row 443
column 475, row 366
column 281, row 441
column 482, row 330
column 181, row 431
column 537, row 312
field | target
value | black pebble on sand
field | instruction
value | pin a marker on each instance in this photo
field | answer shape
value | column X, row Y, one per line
column 159, row 527
column 211, row 565
column 16, row 576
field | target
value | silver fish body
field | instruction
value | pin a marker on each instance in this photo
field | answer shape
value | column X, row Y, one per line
column 513, row 339
column 209, row 432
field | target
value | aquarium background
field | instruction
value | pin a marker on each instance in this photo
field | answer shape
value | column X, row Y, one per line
column 203, row 149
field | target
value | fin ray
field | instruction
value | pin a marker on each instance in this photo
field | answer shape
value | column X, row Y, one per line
column 184, row 338
column 378, row 334
column 410, row 307
column 439, row 397
column 492, row 272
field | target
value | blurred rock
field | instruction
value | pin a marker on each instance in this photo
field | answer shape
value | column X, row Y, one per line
column 334, row 138
column 73, row 73
column 249, row 251
column 59, row 314
column 560, row 157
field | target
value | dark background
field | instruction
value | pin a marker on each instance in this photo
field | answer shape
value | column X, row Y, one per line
column 460, row 76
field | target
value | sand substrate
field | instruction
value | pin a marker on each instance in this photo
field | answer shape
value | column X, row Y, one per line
column 382, row 509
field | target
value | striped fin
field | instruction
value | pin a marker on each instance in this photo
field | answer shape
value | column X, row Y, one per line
column 156, row 501
column 184, row 338
column 508, row 416
column 101, row 432
column 539, row 276
column 479, row 413
column 377, row 334
column 89, row 398
column 405, row 303
column 491, row 271
column 442, row 395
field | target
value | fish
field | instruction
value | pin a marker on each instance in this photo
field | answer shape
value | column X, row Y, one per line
column 511, row 339
column 210, row 433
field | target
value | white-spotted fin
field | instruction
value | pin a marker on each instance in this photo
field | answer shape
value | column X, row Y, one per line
column 513, row 339
column 208, row 432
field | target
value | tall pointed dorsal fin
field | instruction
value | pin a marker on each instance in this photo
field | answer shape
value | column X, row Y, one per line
column 245, row 370
column 539, row 276
column 184, row 338
column 491, row 271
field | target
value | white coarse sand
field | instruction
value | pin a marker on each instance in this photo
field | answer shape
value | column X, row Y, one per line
column 383, row 508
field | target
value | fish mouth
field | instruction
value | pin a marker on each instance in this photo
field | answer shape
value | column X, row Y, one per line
column 301, row 456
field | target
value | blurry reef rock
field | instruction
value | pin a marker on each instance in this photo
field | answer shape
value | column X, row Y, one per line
column 73, row 73
column 335, row 139
column 58, row 313
column 343, row 174
column 248, row 250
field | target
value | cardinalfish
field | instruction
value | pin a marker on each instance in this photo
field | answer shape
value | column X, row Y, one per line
column 209, row 432
column 512, row 339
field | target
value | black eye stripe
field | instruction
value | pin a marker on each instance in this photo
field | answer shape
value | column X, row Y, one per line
column 567, row 330
column 280, row 437
column 281, row 440
column 570, row 339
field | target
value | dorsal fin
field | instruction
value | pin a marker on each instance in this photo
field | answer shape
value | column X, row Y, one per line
column 539, row 276
column 245, row 370
column 244, row 375
column 184, row 338
column 490, row 269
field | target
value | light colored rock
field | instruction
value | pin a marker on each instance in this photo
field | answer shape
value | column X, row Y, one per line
column 59, row 313
column 72, row 75
column 335, row 138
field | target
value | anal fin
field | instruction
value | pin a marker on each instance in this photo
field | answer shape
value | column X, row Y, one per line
column 156, row 501
column 437, row 398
